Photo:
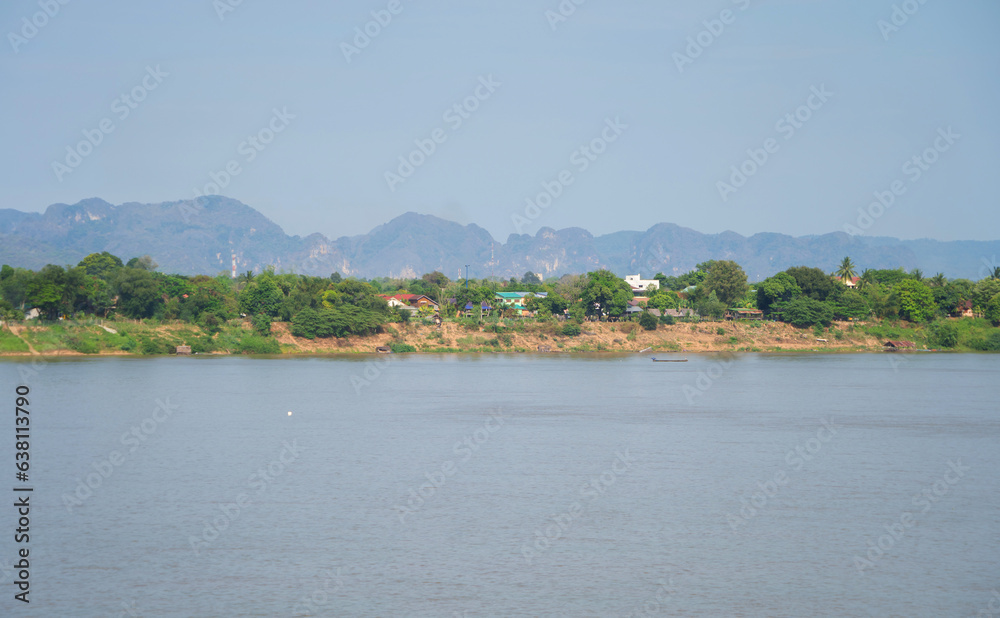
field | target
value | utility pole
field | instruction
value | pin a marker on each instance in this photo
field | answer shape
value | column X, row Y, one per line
column 466, row 276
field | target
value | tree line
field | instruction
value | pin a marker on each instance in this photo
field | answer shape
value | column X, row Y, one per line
column 105, row 286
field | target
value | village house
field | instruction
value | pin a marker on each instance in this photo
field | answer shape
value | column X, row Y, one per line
column 415, row 301
column 744, row 314
column 894, row 346
column 517, row 301
column 964, row 310
column 639, row 284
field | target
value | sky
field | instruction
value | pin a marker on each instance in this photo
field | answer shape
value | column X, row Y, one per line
column 875, row 117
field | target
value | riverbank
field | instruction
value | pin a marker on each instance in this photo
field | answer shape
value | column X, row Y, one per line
column 102, row 337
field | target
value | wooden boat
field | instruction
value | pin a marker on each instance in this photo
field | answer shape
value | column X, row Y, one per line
column 670, row 360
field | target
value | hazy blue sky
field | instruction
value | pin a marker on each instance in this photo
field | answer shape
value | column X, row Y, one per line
column 562, row 84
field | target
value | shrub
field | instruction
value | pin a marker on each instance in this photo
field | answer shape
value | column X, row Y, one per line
column 506, row 340
column 805, row 311
column 305, row 323
column 990, row 344
column 667, row 319
column 152, row 346
column 255, row 344
column 401, row 348
column 262, row 324
column 720, row 331
column 571, row 330
column 647, row 321
column 944, row 334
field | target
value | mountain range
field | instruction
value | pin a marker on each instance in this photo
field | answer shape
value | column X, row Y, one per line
column 203, row 237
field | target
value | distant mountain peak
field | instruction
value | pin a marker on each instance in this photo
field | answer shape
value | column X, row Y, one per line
column 217, row 228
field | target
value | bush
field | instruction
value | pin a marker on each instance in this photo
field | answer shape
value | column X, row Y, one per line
column 805, row 311
column 262, row 324
column 571, row 330
column 990, row 344
column 944, row 334
column 647, row 321
column 401, row 348
column 255, row 344
column 720, row 331
column 153, row 346
column 667, row 319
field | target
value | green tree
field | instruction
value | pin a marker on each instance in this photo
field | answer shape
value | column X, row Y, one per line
column 846, row 270
column 711, row 306
column 727, row 279
column 938, row 281
column 262, row 324
column 992, row 312
column 262, row 296
column 851, row 304
column 647, row 321
column 142, row 263
column 804, row 311
column 915, row 299
column 606, row 294
column 307, row 323
column 944, row 334
column 813, row 282
column 46, row 289
column 138, row 293
column 983, row 292
column 772, row 291
column 664, row 299
column 101, row 265
column 14, row 286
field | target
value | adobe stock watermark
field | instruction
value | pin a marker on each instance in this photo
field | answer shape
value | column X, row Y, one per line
column 224, row 7
column 714, row 28
column 131, row 609
column 31, row 27
column 989, row 268
column 658, row 603
column 372, row 371
column 455, row 116
column 787, row 126
column 319, row 598
column 562, row 13
column 122, row 107
column 581, row 159
column 258, row 483
column 914, row 169
column 901, row 14
column 365, row 34
column 707, row 378
column 796, row 460
column 105, row 467
column 464, row 448
column 992, row 607
column 598, row 486
column 249, row 148
column 895, row 531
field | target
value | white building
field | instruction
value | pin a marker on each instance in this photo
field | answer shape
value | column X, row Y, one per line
column 639, row 284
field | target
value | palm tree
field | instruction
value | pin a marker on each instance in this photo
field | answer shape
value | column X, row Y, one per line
column 938, row 281
column 846, row 270
column 917, row 274
column 244, row 279
column 996, row 273
column 867, row 278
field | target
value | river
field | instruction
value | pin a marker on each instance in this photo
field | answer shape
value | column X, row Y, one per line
column 509, row 485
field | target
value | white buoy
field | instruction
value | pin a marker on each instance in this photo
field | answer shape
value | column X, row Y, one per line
column 289, row 413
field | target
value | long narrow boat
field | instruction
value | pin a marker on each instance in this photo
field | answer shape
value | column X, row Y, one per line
column 670, row 360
